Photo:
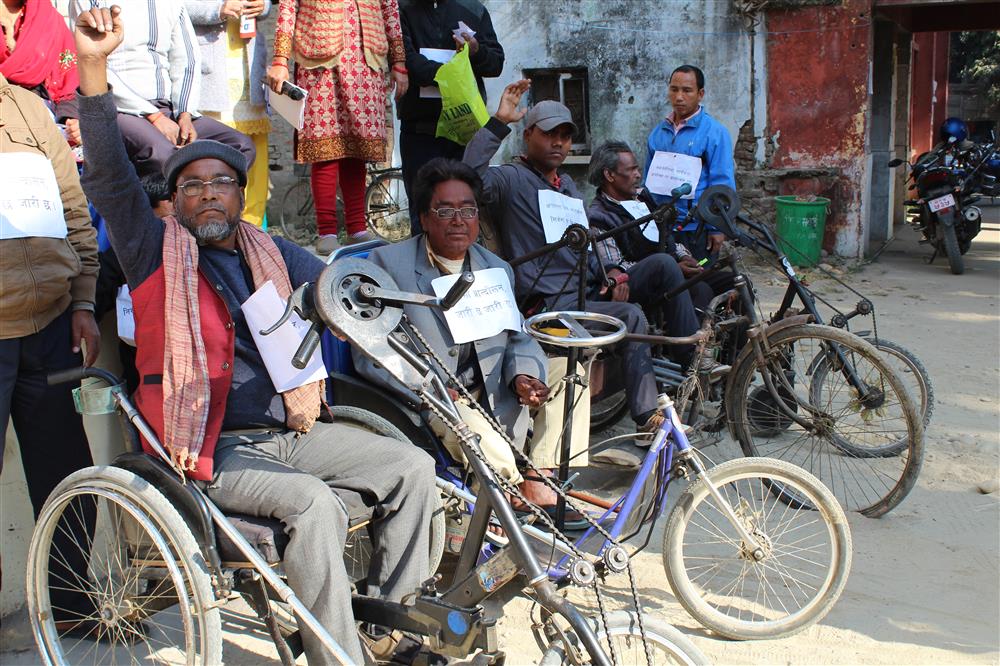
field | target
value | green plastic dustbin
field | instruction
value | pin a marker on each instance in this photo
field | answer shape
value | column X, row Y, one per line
column 800, row 223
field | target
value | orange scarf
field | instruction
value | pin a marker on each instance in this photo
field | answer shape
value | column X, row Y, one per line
column 186, row 389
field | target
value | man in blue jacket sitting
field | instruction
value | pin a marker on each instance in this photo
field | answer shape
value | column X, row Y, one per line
column 690, row 130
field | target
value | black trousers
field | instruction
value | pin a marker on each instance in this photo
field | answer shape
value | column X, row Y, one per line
column 52, row 441
column 651, row 278
column 416, row 150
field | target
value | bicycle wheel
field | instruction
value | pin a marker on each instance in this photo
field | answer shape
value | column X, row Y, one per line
column 147, row 580
column 667, row 644
column 298, row 214
column 819, row 415
column 358, row 547
column 951, row 250
column 387, row 208
column 909, row 368
column 607, row 411
column 807, row 553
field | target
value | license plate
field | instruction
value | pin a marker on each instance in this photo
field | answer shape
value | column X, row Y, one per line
column 947, row 201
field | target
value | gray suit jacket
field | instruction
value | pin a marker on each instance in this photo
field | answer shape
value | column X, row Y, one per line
column 501, row 357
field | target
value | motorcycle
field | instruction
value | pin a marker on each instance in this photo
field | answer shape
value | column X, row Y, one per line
column 948, row 180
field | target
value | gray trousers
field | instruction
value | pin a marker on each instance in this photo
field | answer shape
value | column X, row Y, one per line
column 287, row 476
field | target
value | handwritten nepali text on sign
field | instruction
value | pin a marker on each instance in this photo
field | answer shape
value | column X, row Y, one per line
column 638, row 209
column 668, row 171
column 485, row 310
column 30, row 204
column 559, row 211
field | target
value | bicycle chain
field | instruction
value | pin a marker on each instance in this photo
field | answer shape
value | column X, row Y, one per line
column 514, row 491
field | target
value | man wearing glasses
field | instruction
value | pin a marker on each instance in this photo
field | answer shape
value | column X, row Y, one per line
column 203, row 385
column 504, row 372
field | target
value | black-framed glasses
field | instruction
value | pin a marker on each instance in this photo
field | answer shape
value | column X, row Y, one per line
column 220, row 185
column 467, row 212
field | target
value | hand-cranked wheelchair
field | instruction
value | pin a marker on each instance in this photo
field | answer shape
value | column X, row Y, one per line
column 163, row 559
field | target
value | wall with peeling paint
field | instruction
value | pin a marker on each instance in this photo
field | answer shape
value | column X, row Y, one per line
column 818, row 101
column 629, row 48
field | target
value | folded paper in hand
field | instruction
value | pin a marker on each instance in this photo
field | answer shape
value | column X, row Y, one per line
column 291, row 110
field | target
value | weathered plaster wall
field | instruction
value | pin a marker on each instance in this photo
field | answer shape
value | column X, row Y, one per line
column 629, row 48
column 818, row 104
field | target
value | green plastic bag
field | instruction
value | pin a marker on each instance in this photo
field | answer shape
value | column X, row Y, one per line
column 462, row 109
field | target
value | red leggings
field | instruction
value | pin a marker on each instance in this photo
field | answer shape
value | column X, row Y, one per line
column 351, row 173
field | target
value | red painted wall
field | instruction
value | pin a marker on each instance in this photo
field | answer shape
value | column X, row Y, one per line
column 817, row 104
column 928, row 89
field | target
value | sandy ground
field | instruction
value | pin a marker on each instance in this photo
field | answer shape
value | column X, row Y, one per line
column 925, row 583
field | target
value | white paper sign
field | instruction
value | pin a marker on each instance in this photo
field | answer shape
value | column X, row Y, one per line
column 638, row 209
column 30, row 205
column 485, row 310
column 437, row 55
column 668, row 171
column 293, row 111
column 558, row 211
column 125, row 316
column 262, row 309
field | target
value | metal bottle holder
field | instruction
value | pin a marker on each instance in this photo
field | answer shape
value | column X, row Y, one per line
column 94, row 397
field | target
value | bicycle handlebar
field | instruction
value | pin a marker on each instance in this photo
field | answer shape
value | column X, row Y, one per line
column 77, row 374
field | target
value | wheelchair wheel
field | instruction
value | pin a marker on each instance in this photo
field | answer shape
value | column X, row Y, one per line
column 358, row 547
column 146, row 589
column 667, row 645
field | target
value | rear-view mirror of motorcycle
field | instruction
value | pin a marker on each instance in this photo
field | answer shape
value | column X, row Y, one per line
column 895, row 162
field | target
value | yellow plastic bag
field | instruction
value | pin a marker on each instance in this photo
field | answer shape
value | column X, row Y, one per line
column 462, row 109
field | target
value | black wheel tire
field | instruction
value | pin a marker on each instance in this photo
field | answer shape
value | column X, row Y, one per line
column 607, row 411
column 914, row 365
column 951, row 249
column 817, row 453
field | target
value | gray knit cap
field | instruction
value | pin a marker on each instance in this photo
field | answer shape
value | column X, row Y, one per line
column 204, row 149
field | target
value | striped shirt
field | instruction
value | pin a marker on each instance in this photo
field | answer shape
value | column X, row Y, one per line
column 159, row 59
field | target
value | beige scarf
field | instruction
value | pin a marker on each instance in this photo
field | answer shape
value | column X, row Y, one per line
column 186, row 388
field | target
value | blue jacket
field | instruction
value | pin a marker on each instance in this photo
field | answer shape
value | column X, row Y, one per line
column 702, row 136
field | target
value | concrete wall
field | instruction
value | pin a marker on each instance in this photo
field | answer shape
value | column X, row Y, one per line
column 818, row 106
column 629, row 48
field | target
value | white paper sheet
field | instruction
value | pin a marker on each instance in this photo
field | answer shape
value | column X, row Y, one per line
column 559, row 211
column 638, row 209
column 30, row 204
column 125, row 316
column 262, row 309
column 668, row 171
column 463, row 29
column 485, row 310
column 291, row 110
column 437, row 55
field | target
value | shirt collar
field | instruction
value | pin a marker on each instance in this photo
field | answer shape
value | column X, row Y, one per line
column 690, row 120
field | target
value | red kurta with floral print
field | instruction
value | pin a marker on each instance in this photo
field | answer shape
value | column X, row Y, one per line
column 342, row 50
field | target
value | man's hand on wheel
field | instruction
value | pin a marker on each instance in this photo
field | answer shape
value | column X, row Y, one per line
column 531, row 391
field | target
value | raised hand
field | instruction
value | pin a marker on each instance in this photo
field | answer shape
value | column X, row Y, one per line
column 507, row 111
column 98, row 32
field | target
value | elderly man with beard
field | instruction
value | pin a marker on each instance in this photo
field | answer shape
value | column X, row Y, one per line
column 203, row 384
